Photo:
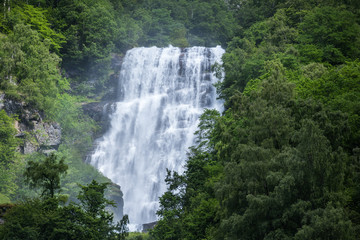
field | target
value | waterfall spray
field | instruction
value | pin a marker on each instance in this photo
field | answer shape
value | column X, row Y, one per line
column 162, row 92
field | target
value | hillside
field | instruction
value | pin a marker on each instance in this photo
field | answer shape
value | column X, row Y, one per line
column 281, row 162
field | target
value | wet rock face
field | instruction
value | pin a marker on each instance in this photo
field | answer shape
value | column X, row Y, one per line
column 29, row 147
column 114, row 193
column 43, row 136
column 37, row 135
column 112, row 83
column 148, row 226
column 47, row 134
column 100, row 113
column 95, row 110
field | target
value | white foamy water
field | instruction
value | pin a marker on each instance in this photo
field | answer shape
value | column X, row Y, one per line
column 162, row 93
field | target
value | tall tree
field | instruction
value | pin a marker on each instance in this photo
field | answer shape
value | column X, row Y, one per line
column 9, row 159
column 46, row 174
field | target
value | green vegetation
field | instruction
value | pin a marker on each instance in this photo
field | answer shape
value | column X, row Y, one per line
column 55, row 55
column 138, row 236
column 281, row 162
column 48, row 218
column 10, row 161
column 84, row 32
column 46, row 174
column 29, row 71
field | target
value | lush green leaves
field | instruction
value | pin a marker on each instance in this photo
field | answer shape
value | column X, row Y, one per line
column 10, row 163
column 28, row 71
column 281, row 162
column 92, row 198
column 278, row 164
column 46, row 219
column 36, row 18
column 46, row 174
column 334, row 30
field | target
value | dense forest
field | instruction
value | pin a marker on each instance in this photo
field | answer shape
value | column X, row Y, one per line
column 281, row 162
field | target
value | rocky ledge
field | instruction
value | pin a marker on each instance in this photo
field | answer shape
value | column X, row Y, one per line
column 114, row 194
column 37, row 134
column 100, row 112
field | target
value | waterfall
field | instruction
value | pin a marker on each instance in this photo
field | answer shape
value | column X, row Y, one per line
column 162, row 92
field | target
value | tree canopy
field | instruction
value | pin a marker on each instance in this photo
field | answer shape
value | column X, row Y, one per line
column 48, row 218
column 46, row 174
column 282, row 161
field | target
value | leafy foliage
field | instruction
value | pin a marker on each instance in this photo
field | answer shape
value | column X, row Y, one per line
column 28, row 70
column 263, row 171
column 10, row 163
column 46, row 174
column 282, row 160
column 279, row 162
column 36, row 18
column 334, row 30
column 47, row 219
column 92, row 198
column 8, row 141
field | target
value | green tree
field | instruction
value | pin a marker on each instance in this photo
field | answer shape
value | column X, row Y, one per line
column 43, row 219
column 328, row 223
column 28, row 71
column 10, row 162
column 122, row 227
column 36, row 18
column 266, row 169
column 8, row 142
column 338, row 88
column 91, row 30
column 98, row 221
column 171, row 210
column 46, row 174
column 334, row 30
column 31, row 219
column 92, row 198
column 278, row 165
column 46, row 218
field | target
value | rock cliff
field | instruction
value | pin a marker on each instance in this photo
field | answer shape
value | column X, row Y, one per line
column 100, row 111
column 37, row 135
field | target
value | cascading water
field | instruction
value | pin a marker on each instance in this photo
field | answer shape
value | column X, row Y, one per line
column 162, row 93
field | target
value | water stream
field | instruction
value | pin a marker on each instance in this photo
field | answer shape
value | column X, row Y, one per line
column 162, row 93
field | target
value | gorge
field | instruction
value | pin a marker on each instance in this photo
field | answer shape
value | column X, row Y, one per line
column 162, row 93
